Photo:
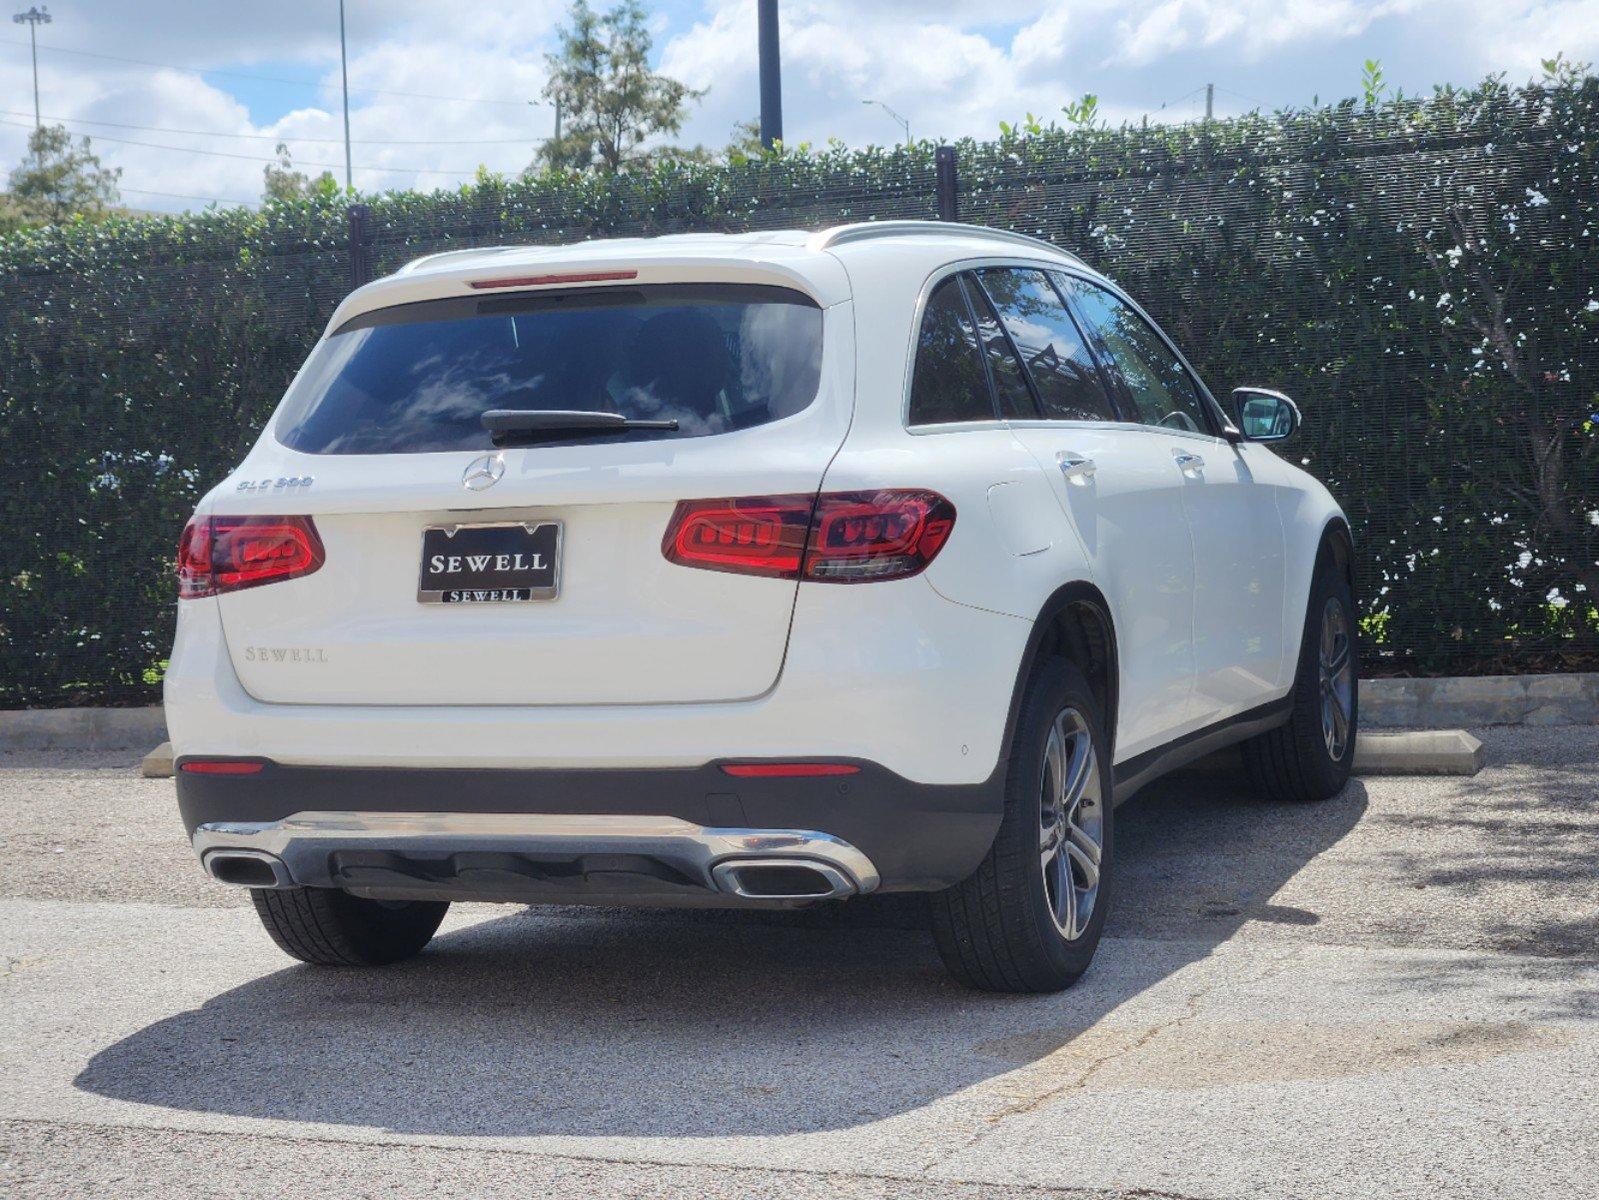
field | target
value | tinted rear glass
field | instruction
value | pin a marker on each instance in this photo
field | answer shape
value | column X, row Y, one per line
column 948, row 383
column 714, row 357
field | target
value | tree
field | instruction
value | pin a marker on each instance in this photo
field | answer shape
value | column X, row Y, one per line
column 746, row 142
column 612, row 103
column 58, row 178
column 283, row 182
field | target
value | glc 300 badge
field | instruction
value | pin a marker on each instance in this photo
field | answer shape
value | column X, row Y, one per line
column 273, row 485
column 483, row 472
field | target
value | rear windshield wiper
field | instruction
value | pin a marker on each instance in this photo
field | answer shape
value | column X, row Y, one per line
column 513, row 426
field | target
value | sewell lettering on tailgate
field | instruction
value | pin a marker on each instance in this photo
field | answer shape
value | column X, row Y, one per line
column 285, row 654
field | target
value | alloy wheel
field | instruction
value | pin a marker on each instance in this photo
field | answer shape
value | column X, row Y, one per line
column 1337, row 677
column 1071, row 824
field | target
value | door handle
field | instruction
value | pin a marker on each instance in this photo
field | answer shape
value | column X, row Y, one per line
column 1188, row 464
column 1075, row 467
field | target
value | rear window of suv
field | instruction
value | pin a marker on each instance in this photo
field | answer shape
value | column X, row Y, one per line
column 417, row 377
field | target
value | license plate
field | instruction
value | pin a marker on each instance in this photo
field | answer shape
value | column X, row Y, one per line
column 488, row 564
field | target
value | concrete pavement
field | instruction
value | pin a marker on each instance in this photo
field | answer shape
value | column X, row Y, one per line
column 1392, row 994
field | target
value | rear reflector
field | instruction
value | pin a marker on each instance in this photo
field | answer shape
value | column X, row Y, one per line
column 793, row 770
column 220, row 766
column 226, row 554
column 540, row 280
column 836, row 537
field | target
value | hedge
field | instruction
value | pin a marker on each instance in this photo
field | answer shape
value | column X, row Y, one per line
column 1421, row 274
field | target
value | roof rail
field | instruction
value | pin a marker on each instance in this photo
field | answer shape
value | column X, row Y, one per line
column 866, row 230
column 465, row 252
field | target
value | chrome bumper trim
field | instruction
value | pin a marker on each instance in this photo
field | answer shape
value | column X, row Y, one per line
column 304, row 841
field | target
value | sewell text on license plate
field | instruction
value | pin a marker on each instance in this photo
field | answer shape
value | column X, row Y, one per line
column 485, row 564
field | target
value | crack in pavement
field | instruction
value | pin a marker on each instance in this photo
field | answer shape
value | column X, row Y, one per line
column 1036, row 1099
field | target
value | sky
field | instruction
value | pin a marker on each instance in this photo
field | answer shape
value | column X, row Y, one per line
column 189, row 97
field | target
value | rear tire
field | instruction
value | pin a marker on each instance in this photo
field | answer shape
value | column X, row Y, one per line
column 1029, row 918
column 331, row 928
column 1309, row 757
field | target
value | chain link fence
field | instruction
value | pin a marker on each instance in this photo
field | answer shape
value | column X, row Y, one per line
column 1422, row 276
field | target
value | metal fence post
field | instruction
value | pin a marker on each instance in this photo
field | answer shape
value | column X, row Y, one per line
column 359, row 232
column 948, row 184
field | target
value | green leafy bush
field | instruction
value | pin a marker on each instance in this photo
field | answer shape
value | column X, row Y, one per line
column 1422, row 275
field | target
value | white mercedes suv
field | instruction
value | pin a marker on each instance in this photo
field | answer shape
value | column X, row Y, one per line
column 745, row 570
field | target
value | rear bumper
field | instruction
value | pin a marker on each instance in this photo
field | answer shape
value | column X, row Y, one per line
column 606, row 836
column 891, row 673
column 519, row 855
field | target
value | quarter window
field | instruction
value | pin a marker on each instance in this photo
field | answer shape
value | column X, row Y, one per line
column 947, row 383
column 1051, row 346
column 1160, row 388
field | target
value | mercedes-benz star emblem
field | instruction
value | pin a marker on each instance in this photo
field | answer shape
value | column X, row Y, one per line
column 483, row 472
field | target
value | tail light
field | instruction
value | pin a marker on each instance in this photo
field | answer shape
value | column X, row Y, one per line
column 226, row 554
column 836, row 537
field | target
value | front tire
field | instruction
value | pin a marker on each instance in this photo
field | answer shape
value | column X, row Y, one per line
column 1029, row 918
column 1309, row 758
column 331, row 928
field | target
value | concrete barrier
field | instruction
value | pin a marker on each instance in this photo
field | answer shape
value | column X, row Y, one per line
column 82, row 728
column 1418, row 752
column 1477, row 700
column 158, row 763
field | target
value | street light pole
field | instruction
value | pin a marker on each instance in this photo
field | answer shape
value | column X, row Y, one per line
column 904, row 124
column 344, row 72
column 771, row 72
column 34, row 18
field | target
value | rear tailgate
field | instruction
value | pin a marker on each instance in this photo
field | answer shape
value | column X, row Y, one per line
column 611, row 622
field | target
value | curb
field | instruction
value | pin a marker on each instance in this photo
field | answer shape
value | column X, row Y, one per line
column 1477, row 700
column 82, row 728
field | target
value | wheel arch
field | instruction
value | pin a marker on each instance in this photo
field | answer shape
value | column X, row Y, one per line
column 1339, row 542
column 1074, row 622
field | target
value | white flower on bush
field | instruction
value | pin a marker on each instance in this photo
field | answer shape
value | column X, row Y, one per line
column 1555, row 599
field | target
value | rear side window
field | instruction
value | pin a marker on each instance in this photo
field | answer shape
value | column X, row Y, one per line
column 947, row 383
column 1050, row 344
column 417, row 377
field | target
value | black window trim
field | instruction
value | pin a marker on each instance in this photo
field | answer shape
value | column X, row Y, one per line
column 965, row 280
column 975, row 280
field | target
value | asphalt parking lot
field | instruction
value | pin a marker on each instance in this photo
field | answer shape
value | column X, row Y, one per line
column 1393, row 994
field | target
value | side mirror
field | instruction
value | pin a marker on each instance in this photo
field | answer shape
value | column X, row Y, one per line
column 1265, row 415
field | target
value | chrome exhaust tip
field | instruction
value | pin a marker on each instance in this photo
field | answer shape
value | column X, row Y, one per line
column 782, row 879
column 247, row 868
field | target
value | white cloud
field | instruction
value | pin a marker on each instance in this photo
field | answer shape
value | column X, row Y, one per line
column 953, row 67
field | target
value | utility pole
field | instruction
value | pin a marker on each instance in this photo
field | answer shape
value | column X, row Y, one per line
column 903, row 122
column 344, row 72
column 1210, row 102
column 771, row 75
column 556, row 140
column 34, row 18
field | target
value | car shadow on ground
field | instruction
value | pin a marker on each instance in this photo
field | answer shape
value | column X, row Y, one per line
column 707, row 1024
